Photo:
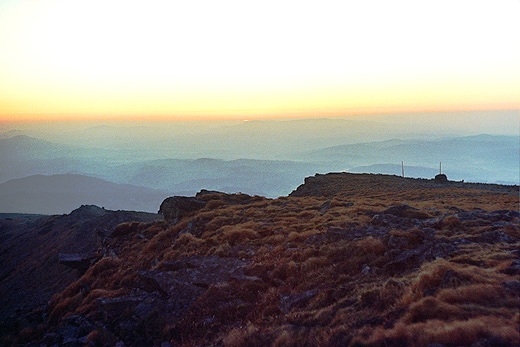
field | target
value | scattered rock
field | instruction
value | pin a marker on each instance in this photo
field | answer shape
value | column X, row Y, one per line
column 342, row 280
column 206, row 270
column 72, row 331
column 514, row 268
column 412, row 259
column 512, row 286
column 170, row 287
column 288, row 302
column 325, row 207
column 119, row 306
column 405, row 211
column 78, row 261
column 495, row 236
column 51, row 242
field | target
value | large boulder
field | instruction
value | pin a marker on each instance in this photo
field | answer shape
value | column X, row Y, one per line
column 175, row 208
column 78, row 261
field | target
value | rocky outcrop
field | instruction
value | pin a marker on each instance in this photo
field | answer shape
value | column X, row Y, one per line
column 161, row 297
column 78, row 261
column 42, row 255
column 405, row 211
column 175, row 208
column 345, row 183
column 227, row 199
column 441, row 178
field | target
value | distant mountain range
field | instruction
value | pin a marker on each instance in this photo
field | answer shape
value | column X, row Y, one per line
column 25, row 156
column 114, row 177
column 481, row 158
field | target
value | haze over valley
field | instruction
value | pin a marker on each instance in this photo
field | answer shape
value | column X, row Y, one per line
column 139, row 164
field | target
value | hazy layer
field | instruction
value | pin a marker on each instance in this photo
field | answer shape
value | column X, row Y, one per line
column 138, row 164
column 268, row 139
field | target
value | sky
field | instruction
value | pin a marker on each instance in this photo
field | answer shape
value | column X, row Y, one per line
column 255, row 59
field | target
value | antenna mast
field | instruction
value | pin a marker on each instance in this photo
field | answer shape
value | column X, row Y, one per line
column 402, row 168
column 440, row 167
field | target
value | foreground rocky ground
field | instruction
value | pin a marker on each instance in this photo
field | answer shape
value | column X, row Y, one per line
column 360, row 260
column 30, row 249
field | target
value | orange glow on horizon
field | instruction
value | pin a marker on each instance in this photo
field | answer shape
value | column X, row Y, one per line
column 233, row 60
column 69, row 117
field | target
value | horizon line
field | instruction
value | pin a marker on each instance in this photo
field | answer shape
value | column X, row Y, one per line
column 246, row 116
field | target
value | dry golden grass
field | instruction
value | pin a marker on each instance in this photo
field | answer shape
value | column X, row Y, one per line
column 323, row 272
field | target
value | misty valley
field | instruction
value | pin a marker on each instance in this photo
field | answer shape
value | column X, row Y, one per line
column 55, row 169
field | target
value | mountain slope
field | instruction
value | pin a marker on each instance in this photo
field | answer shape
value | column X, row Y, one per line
column 30, row 245
column 345, row 260
column 56, row 194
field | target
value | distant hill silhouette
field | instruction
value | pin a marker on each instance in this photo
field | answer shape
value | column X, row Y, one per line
column 57, row 194
column 481, row 158
column 23, row 156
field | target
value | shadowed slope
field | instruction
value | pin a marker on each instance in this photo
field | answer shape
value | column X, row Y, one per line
column 30, row 248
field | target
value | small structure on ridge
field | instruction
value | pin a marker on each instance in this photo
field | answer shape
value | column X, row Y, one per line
column 441, row 178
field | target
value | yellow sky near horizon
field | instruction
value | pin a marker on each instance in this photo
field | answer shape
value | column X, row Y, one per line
column 255, row 59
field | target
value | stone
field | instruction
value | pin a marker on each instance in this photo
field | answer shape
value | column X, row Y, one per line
column 514, row 268
column 405, row 211
column 288, row 302
column 206, row 270
column 325, row 207
column 512, row 286
column 118, row 307
column 441, row 178
column 175, row 208
column 78, row 261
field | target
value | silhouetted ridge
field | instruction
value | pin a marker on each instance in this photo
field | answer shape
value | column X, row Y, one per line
column 344, row 183
column 31, row 247
column 60, row 193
